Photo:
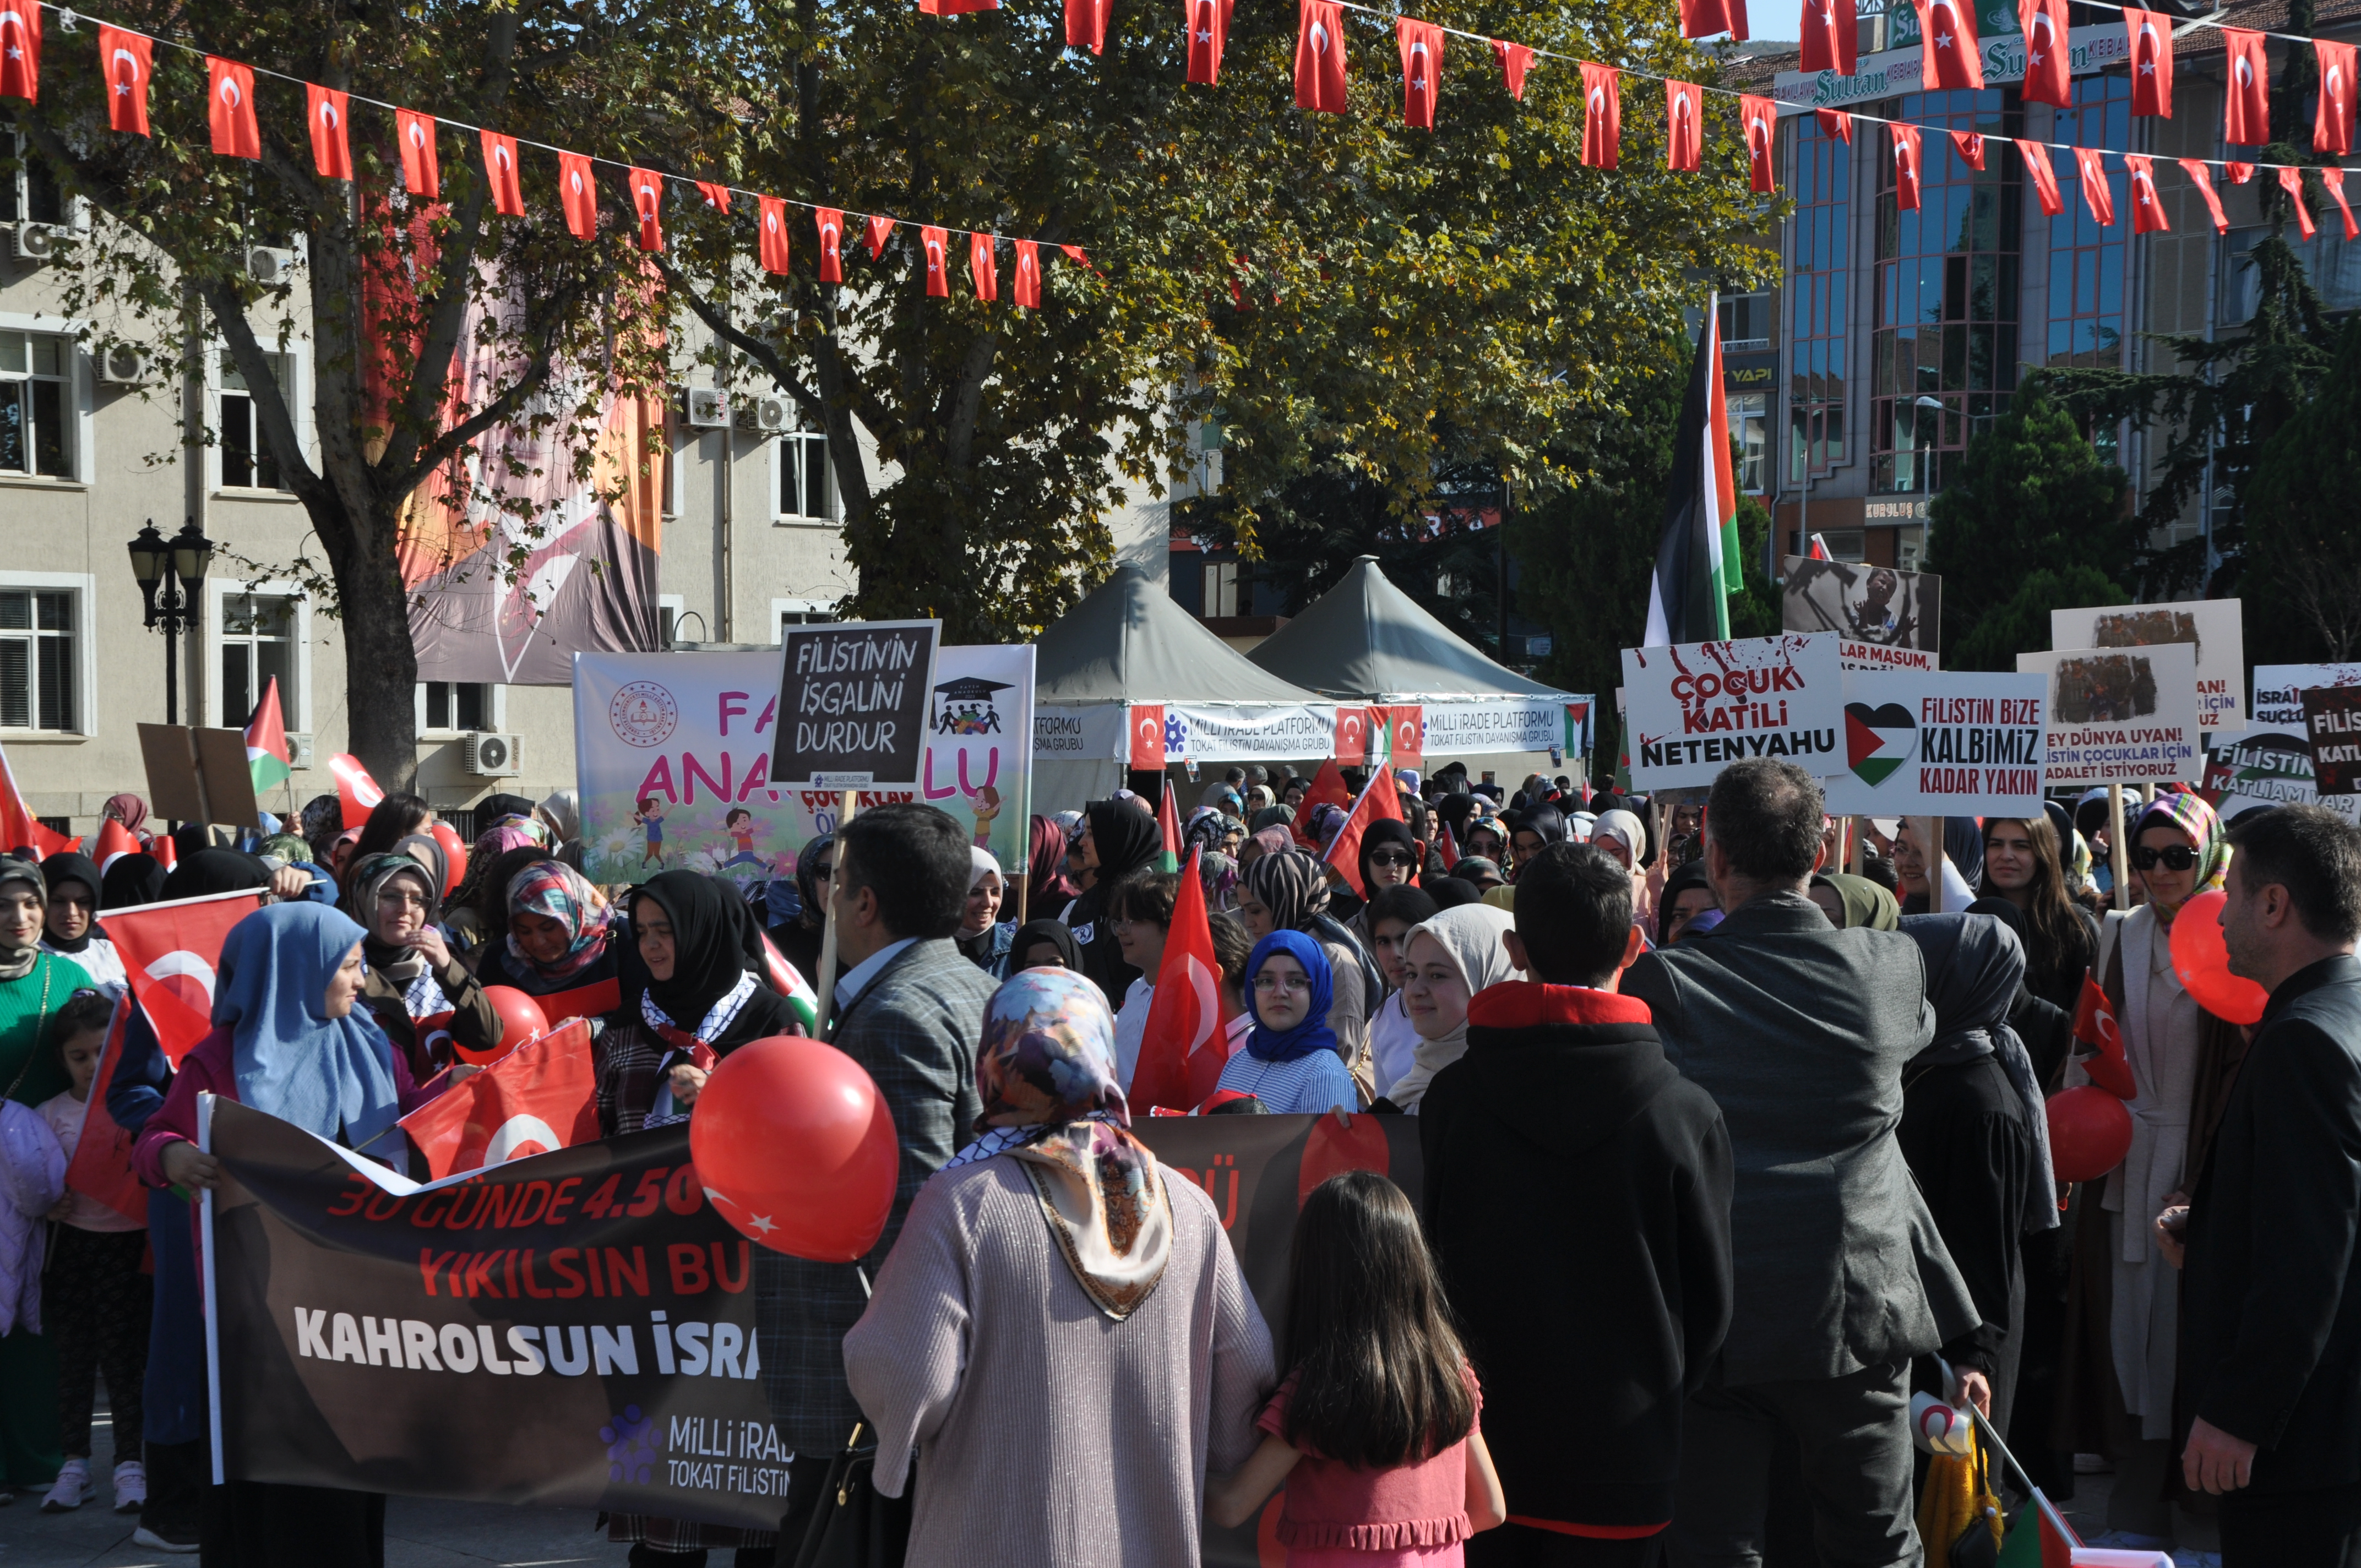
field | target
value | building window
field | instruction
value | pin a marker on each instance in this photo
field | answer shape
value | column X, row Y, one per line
column 2329, row 259
column 30, row 193
column 806, row 486
column 257, row 645
column 1747, row 320
column 1220, row 588
column 1749, row 427
column 2086, row 262
column 459, row 704
column 802, row 618
column 246, row 459
column 1943, row 359
column 38, row 658
column 35, row 398
column 1816, row 389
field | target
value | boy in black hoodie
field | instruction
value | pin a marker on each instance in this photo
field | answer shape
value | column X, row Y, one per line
column 1577, row 1199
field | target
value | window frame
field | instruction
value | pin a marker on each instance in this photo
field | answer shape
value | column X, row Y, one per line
column 496, row 710
column 81, row 391
column 299, row 402
column 779, row 445
column 294, row 709
column 83, row 585
column 780, row 606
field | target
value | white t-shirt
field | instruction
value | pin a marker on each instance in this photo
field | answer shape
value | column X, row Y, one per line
column 1130, row 1025
column 1393, row 1041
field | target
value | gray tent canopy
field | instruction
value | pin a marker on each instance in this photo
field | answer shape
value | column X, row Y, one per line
column 1127, row 642
column 1366, row 640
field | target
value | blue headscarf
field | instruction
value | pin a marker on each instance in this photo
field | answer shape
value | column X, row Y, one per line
column 330, row 1075
column 1314, row 1033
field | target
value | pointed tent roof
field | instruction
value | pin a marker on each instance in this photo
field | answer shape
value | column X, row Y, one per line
column 1127, row 642
column 1366, row 639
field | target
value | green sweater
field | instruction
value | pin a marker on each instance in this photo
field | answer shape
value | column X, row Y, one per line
column 24, row 1032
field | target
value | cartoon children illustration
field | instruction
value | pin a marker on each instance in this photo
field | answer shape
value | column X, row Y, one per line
column 650, row 818
column 740, row 825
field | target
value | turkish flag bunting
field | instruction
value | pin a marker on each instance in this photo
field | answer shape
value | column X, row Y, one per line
column 2245, row 98
column 2148, row 209
column 1328, row 783
column 2332, row 122
column 1209, row 29
column 1683, row 130
column 647, row 201
column 2044, row 178
column 1835, row 122
column 2090, row 174
column 1970, row 145
column 2203, row 178
column 2240, row 173
column 577, row 191
column 422, row 169
column 874, row 233
column 235, row 133
column 1147, row 736
column 955, row 7
column 18, row 827
column 1086, row 25
column 1184, row 1044
column 1515, row 60
column 170, row 954
column 772, row 239
column 1949, row 52
column 1028, row 275
column 1380, row 801
column 538, row 1097
column 20, row 49
column 716, row 196
column 1602, row 114
column 1319, row 56
column 2094, row 1026
column 1831, row 35
column 831, row 239
column 331, row 151
column 2148, row 37
column 508, row 193
column 101, row 1166
column 1405, row 732
column 2049, row 65
column 357, row 792
column 1421, row 60
column 127, row 61
column 1352, row 743
column 934, row 241
column 2291, row 182
column 2334, row 179
column 1760, row 116
column 984, row 264
column 1905, row 167
column 1703, row 18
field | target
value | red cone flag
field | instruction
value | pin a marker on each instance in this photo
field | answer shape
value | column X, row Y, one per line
column 2247, row 97
column 2335, row 180
column 127, row 61
column 1380, row 801
column 1684, row 129
column 2049, row 65
column 1831, row 35
column 1760, row 116
column 647, row 201
column 1835, row 122
column 1949, row 53
column 1905, row 167
column 1327, row 789
column 236, row 134
column 716, row 196
column 1602, row 114
column 1970, row 145
column 2291, row 182
column 1147, row 721
column 2090, row 174
column 933, row 241
column 20, row 49
column 358, row 793
column 984, row 264
column 1086, row 25
column 331, row 152
column 422, row 169
column 874, row 235
column 832, row 238
column 2044, row 178
column 1028, row 275
column 500, row 168
column 1704, row 18
column 1515, row 60
column 2094, row 1026
column 1421, row 60
column 2332, row 122
column 2148, row 210
column 541, row 1089
column 773, row 242
column 2149, row 35
column 2203, row 178
column 577, row 191
column 170, row 953
column 1319, row 56
column 115, row 842
column 1209, row 28
column 1185, row 1043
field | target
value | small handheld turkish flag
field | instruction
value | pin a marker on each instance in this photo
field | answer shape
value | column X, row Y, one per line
column 1147, row 735
column 1683, row 128
column 1422, row 61
column 127, row 61
column 934, row 241
column 577, row 191
column 1184, row 1044
column 357, row 793
column 2333, row 180
column 1319, row 56
column 101, row 1166
column 647, row 201
column 2291, row 182
column 1209, row 28
column 1515, row 60
column 1086, row 25
column 1760, row 116
column 2094, row 1026
column 422, row 169
column 1949, row 52
column 1970, row 145
column 1602, row 114
column 115, row 842
column 2044, row 179
column 2090, row 174
column 984, row 264
column 1835, row 122
column 1328, row 783
column 500, row 168
column 2048, row 66
column 717, row 196
column 235, row 133
column 873, row 233
column 19, row 829
column 772, row 243
column 1905, row 167
column 831, row 244
column 2149, row 37
column 331, row 152
column 1380, row 801
column 170, row 953
column 2245, row 98
column 2202, row 177
column 1028, row 275
column 1704, row 18
column 2147, row 212
column 2332, row 121
column 541, row 1096
column 20, row 49
column 1831, row 35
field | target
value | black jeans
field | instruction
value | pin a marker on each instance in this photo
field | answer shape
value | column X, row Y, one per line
column 2293, row 1529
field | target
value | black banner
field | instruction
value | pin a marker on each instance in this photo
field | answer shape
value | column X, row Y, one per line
column 853, row 699
column 2332, row 721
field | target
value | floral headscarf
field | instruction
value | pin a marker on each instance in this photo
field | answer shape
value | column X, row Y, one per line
column 2187, row 811
column 557, row 892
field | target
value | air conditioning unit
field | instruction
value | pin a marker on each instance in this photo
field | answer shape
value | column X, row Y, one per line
column 269, row 263
column 765, row 416
column 123, row 365
column 298, row 751
column 36, row 243
column 492, row 756
column 706, row 408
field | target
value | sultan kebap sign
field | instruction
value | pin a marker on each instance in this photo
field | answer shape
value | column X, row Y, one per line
column 1927, row 744
column 1695, row 708
column 852, row 702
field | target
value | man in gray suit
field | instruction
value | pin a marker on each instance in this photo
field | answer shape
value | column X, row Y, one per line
column 1799, row 1031
column 909, row 1009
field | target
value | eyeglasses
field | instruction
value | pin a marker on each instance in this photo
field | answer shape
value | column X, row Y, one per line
column 2176, row 857
column 1393, row 857
column 1274, row 984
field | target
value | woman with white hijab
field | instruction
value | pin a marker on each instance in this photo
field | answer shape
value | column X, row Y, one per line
column 983, row 937
column 1623, row 835
column 1448, row 959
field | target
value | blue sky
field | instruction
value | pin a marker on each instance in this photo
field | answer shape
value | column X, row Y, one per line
column 1775, row 18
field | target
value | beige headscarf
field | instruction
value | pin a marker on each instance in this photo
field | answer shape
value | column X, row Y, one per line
column 1471, row 934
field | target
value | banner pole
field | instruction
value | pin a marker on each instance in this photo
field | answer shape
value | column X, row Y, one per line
column 844, row 806
column 2118, row 856
column 1857, row 846
column 1930, row 854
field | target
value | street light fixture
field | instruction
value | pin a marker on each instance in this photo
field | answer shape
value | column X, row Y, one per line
column 171, row 574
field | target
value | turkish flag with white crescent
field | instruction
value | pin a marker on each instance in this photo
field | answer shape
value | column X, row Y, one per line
column 2149, row 37
column 236, row 134
column 1970, row 145
column 170, row 953
column 20, row 49
column 1515, row 60
column 2090, row 174
column 1184, row 1045
column 873, row 233
column 773, row 242
column 1905, row 167
column 2291, row 182
column 1602, row 114
column 1380, row 801
column 1704, row 18
column 2044, row 178
column 1147, row 735
column 2334, row 179
column 500, row 168
column 1405, row 734
column 578, row 193
column 332, row 150
column 127, row 61
column 358, row 793
column 1684, row 124
column 2201, row 176
column 2247, row 96
column 1352, row 737
column 1319, row 56
column 1831, row 35
column 2094, row 1026
column 1422, row 61
column 1949, row 52
column 647, row 201
column 1760, row 116
column 984, row 264
column 2049, row 65
column 716, row 195
column 1028, row 275
column 539, row 1097
column 831, row 244
column 1209, row 28
column 422, row 168
column 1835, row 122
column 934, row 242
column 2332, row 122
column 2148, row 211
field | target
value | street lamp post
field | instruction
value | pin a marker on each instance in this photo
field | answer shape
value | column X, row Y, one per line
column 171, row 573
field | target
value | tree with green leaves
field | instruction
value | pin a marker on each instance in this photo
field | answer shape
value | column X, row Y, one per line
column 2303, row 526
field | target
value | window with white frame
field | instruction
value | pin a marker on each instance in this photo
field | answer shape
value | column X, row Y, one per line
column 1220, row 588
column 37, row 404
column 799, row 612
column 41, row 651
column 806, row 488
column 30, row 193
column 246, row 462
column 457, row 705
column 259, row 643
column 670, row 607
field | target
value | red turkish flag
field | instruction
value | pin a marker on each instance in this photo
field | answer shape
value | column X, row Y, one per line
column 2044, row 178
column 20, row 49
column 101, row 1166
column 1703, row 18
column 2332, row 122
column 1949, row 52
column 508, row 194
column 2094, row 1026
column 2048, row 66
column 231, row 86
column 577, row 191
column 717, row 196
column 1328, row 783
column 1422, row 60
column 1835, row 122
column 127, row 61
column 2240, row 173
column 331, row 151
column 984, row 264
column 772, row 241
column 934, row 242
column 2090, row 174
column 1831, row 35
column 831, row 241
column 1760, row 117
column 115, row 842
column 1208, row 22
column 2148, row 209
column 1185, row 1043
column 1147, row 721
column 1086, row 25
column 538, row 1097
column 1906, row 166
column 2245, row 97
column 358, row 793
column 1075, row 252
column 2203, row 178
column 874, row 233
column 1352, row 739
column 1684, row 127
column 647, row 201
column 20, row 829
column 1405, row 734
column 2335, row 180
column 1380, row 801
column 955, row 7
column 2148, row 35
column 1602, row 114
column 1970, row 145
column 170, row 953
column 422, row 169
column 2291, row 182
column 1028, row 275
column 1319, row 56
column 1515, row 60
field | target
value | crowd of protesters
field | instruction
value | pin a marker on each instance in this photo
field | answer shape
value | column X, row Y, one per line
column 1730, row 1148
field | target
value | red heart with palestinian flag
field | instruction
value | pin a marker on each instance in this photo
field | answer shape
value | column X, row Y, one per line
column 1878, row 739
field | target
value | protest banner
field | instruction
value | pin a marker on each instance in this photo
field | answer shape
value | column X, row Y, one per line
column 2264, row 768
column 1941, row 745
column 1695, row 708
column 2280, row 688
column 1880, row 607
column 2119, row 716
column 853, row 703
column 2214, row 627
column 2332, row 721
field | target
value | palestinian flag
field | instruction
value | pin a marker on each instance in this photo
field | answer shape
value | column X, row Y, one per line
column 1878, row 739
column 1168, row 822
column 265, row 741
column 1698, row 564
column 789, row 982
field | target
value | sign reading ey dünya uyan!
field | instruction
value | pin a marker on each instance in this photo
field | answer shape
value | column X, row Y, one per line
column 852, row 702
column 1955, row 745
column 2120, row 715
column 1695, row 708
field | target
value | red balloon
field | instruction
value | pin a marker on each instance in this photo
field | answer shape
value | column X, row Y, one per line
column 796, row 1149
column 521, row 1020
column 2090, row 1133
column 454, row 856
column 2203, row 963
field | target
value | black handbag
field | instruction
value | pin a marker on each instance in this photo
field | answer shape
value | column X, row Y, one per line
column 855, row 1525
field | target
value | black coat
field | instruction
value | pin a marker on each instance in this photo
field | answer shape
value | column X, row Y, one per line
column 2270, row 1306
column 1577, row 1199
column 1964, row 1132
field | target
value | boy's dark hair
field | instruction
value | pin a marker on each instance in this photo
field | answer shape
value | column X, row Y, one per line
column 916, row 859
column 1574, row 914
column 1147, row 896
column 1232, row 945
column 735, row 813
column 1768, row 817
column 84, row 1010
column 2314, row 854
column 1879, row 870
column 1410, row 904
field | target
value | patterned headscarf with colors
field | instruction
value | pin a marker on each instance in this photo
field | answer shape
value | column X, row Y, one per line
column 2187, row 811
column 557, row 892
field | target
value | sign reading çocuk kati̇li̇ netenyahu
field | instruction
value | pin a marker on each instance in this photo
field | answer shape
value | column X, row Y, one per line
column 1693, row 709
column 1945, row 745
column 2120, row 715
column 852, row 702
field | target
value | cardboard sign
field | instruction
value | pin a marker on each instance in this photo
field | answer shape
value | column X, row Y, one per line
column 2280, row 688
column 198, row 775
column 2266, row 768
column 1882, row 605
column 854, row 700
column 2332, row 722
column 1699, row 707
column 1956, row 745
column 2120, row 715
column 2213, row 627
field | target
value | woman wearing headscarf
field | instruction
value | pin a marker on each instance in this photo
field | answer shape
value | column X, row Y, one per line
column 1219, row 874
column 560, row 936
column 1850, row 901
column 289, row 1039
column 413, row 976
column 71, row 928
column 1042, row 944
column 1047, row 891
column 1053, row 1280
column 983, row 937
column 561, row 812
column 1120, row 839
column 1275, row 839
column 1623, row 835
column 799, row 939
column 1390, row 855
column 1973, row 1132
column 1289, row 892
column 477, row 918
column 1447, row 959
column 129, row 810
column 1290, row 1062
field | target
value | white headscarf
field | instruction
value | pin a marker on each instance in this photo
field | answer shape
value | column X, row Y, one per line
column 1623, row 825
column 1471, row 935
column 984, row 861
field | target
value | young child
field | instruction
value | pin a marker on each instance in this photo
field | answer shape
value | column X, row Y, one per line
column 650, row 821
column 1374, row 1428
column 94, row 1300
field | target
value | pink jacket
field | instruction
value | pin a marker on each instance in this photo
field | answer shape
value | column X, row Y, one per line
column 209, row 1069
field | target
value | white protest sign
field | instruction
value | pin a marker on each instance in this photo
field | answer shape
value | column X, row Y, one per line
column 1878, row 656
column 2121, row 716
column 1699, row 707
column 2214, row 627
column 2280, row 688
column 1942, row 745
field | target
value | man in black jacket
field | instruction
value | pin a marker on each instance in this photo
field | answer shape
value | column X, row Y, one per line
column 2270, row 1316
column 1577, row 1192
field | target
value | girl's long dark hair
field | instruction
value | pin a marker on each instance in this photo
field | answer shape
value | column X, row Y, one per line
column 1381, row 1379
column 394, row 818
column 2061, row 943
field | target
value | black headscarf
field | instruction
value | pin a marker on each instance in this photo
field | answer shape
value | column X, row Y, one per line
column 214, row 870
column 132, row 880
column 1547, row 821
column 1451, row 891
column 714, row 941
column 1125, row 838
column 813, row 915
column 1056, row 932
column 69, row 865
column 1385, row 830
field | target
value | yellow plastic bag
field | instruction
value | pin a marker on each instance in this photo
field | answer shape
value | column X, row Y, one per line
column 1959, row 1518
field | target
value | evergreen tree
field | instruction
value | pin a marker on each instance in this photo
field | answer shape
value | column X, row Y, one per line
column 2303, row 529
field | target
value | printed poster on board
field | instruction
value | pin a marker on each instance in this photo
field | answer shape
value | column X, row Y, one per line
column 2213, row 627
column 2280, row 688
column 1882, row 607
column 1939, row 745
column 2121, row 716
column 1696, row 708
column 2333, row 724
